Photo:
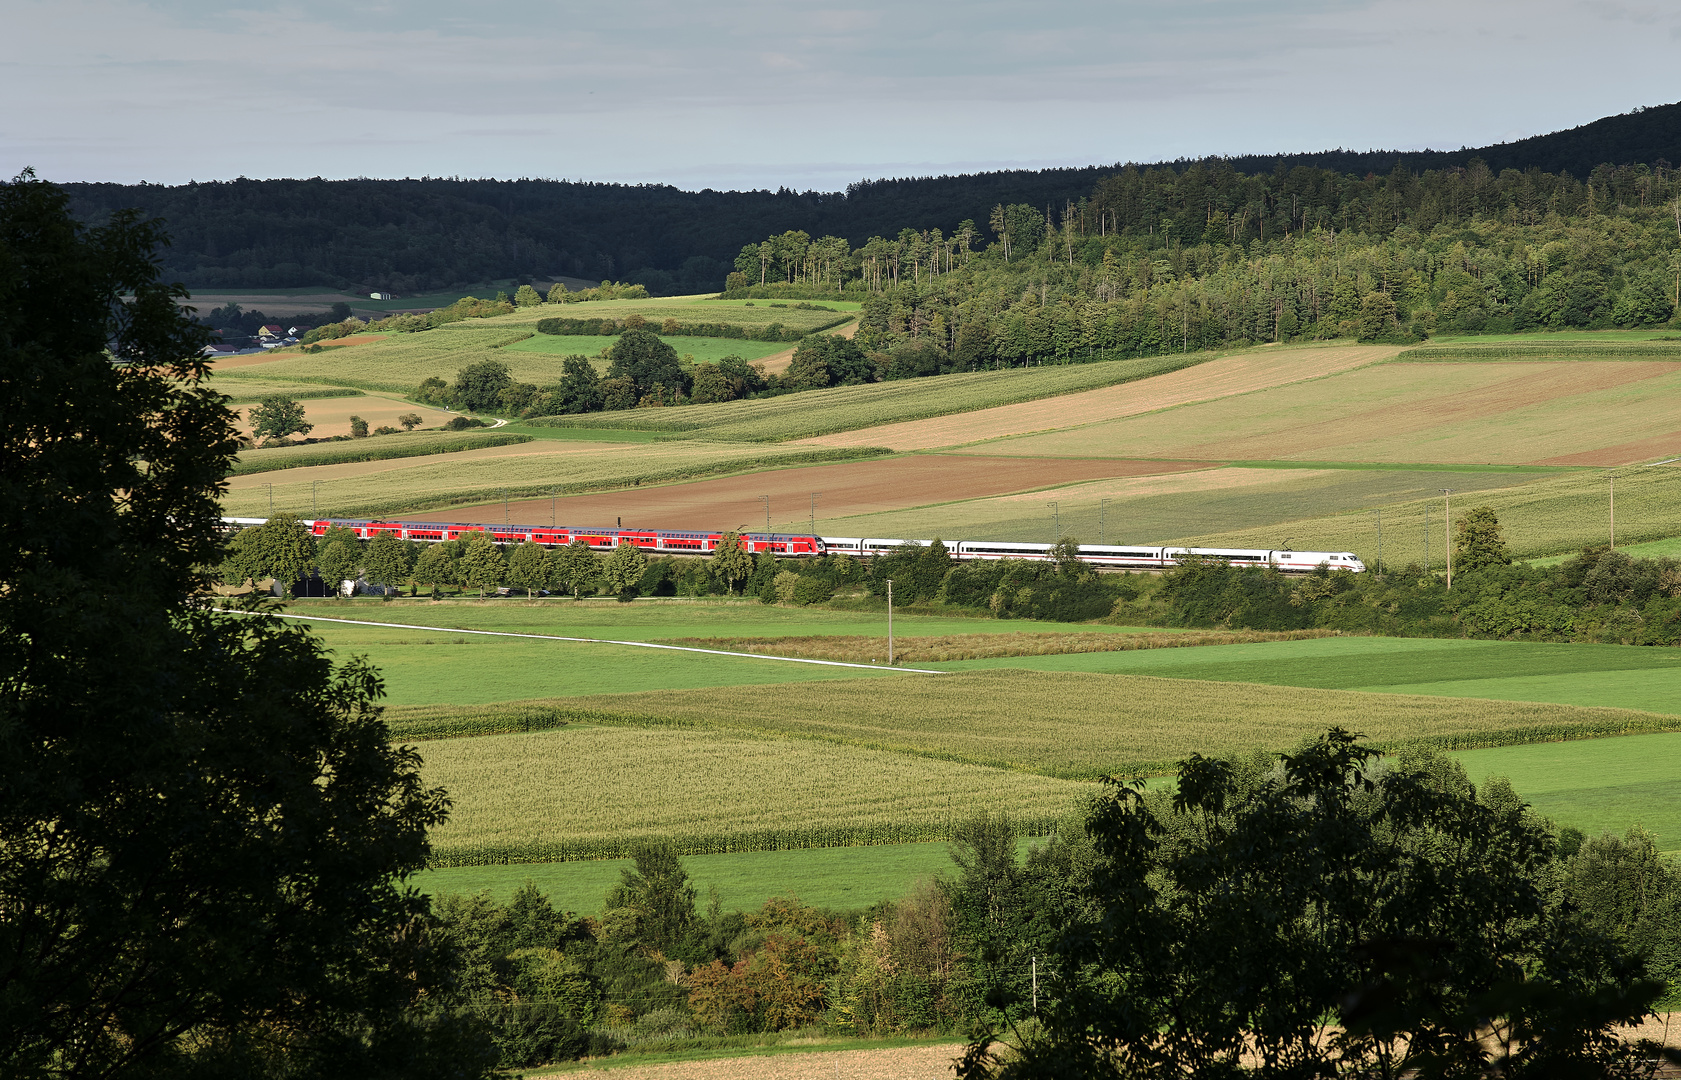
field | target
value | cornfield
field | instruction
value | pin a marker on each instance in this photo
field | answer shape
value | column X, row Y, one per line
column 372, row 448
column 1083, row 726
column 594, row 793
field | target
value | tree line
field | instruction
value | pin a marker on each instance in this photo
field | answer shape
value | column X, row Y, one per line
column 433, row 233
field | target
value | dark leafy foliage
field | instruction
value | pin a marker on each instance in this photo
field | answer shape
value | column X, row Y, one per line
column 203, row 826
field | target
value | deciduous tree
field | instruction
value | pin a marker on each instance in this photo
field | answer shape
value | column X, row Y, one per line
column 278, row 416
column 205, row 829
column 731, row 562
column 622, row 569
column 482, row 565
column 1478, row 542
column 388, row 561
column 528, row 568
column 575, row 568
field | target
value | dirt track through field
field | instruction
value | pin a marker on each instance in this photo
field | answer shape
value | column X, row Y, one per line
column 896, row 1063
column 1215, row 379
column 854, row 487
column 777, row 363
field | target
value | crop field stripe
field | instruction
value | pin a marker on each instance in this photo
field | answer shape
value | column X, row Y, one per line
column 593, row 641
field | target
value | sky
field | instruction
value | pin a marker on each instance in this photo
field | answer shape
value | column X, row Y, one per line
column 736, row 95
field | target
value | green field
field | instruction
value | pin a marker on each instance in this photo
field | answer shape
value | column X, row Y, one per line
column 848, row 408
column 371, row 448
column 704, row 350
column 1652, row 549
column 1598, row 786
column 436, row 482
column 687, row 310
column 399, row 362
column 837, row 878
column 589, row 792
column 1611, row 676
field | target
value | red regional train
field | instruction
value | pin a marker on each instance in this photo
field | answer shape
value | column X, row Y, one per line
column 793, row 545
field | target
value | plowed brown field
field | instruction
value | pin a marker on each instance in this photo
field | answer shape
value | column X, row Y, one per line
column 1215, row 379
column 859, row 487
column 897, row 1063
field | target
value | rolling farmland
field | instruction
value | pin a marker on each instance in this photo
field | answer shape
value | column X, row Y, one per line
column 845, row 408
column 1442, row 413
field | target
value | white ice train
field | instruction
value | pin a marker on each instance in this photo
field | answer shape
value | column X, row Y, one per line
column 794, row 545
column 1119, row 557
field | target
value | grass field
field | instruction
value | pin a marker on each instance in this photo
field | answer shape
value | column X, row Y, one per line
column 686, row 310
column 588, row 792
column 372, row 448
column 1496, row 413
column 438, row 482
column 1611, row 676
column 1598, row 786
column 704, row 350
column 837, row 878
column 844, row 408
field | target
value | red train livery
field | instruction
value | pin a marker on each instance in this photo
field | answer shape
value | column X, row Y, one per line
column 651, row 540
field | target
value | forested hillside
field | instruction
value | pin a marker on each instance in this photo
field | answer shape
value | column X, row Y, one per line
column 424, row 234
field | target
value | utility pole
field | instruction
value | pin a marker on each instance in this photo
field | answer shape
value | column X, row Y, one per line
column 814, row 512
column 1426, row 536
column 1035, row 986
column 1379, row 513
column 270, row 499
column 1102, row 513
column 1611, row 476
column 1447, row 530
column 504, row 506
column 1056, row 520
column 553, row 494
column 889, row 622
column 314, row 508
column 766, row 500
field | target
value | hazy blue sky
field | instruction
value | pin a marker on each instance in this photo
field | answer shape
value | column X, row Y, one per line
column 757, row 94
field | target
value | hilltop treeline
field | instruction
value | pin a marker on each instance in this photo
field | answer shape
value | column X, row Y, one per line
column 432, row 233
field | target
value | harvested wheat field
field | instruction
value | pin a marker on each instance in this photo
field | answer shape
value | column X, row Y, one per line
column 895, row 1063
column 331, row 416
column 1216, row 379
column 853, row 487
column 1510, row 412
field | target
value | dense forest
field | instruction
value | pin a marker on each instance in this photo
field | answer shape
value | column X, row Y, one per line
column 416, row 235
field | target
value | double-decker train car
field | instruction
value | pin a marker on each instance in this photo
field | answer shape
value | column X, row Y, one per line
column 1118, row 557
column 657, row 541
